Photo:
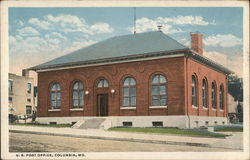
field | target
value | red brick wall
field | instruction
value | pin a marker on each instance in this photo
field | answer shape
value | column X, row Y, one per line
column 172, row 68
column 201, row 71
column 179, row 94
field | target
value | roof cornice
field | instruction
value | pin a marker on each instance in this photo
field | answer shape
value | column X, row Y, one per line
column 138, row 57
column 197, row 57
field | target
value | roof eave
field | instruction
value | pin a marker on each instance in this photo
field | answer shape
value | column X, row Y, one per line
column 114, row 59
column 191, row 53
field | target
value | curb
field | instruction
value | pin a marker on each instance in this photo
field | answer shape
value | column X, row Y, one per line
column 114, row 138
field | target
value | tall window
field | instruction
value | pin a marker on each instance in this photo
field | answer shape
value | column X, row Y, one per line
column 129, row 92
column 29, row 87
column 194, row 91
column 214, row 97
column 78, row 96
column 204, row 93
column 10, row 86
column 102, row 83
column 55, row 96
column 221, row 97
column 159, row 91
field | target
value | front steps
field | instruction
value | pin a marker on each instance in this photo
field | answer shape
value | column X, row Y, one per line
column 92, row 123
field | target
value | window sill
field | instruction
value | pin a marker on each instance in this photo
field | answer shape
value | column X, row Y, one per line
column 205, row 108
column 222, row 110
column 213, row 109
column 155, row 107
column 128, row 108
column 195, row 107
column 54, row 110
column 76, row 109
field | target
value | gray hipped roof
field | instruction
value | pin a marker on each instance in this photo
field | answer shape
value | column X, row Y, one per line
column 120, row 46
column 127, row 47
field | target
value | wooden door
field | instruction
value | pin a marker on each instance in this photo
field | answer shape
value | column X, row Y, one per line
column 102, row 105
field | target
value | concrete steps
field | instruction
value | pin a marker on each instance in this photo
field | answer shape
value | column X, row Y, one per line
column 93, row 123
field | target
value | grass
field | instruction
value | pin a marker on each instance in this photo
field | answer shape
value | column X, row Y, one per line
column 229, row 128
column 176, row 131
column 43, row 125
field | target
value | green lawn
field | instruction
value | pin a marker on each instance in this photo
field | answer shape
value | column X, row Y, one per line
column 43, row 125
column 175, row 131
column 228, row 128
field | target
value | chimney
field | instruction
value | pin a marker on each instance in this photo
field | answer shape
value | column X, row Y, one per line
column 196, row 42
column 25, row 73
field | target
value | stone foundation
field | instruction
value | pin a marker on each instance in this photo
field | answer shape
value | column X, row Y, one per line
column 143, row 121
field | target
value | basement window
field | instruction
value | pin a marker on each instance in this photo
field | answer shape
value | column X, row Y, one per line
column 215, row 122
column 206, row 123
column 157, row 124
column 127, row 124
column 52, row 123
column 223, row 122
column 196, row 124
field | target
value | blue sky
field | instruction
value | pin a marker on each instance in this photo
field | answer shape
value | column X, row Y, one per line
column 37, row 35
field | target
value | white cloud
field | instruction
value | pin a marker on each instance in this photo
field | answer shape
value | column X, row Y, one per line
column 227, row 40
column 101, row 28
column 27, row 31
column 40, row 23
column 65, row 20
column 70, row 24
column 78, row 45
column 145, row 24
column 184, row 41
column 12, row 40
column 55, row 35
column 232, row 62
column 169, row 24
column 184, row 20
column 20, row 23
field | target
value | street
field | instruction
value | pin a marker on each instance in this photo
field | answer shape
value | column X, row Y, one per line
column 20, row 142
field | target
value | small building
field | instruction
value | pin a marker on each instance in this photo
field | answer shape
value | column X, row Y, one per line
column 142, row 80
column 21, row 94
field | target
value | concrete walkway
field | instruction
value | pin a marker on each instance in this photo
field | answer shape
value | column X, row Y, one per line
column 232, row 142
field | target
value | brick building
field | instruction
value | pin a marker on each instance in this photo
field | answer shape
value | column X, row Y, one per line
column 144, row 79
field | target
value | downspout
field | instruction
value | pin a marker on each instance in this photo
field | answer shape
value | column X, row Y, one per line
column 187, row 91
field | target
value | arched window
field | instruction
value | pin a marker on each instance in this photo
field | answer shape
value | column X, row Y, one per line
column 214, row 96
column 78, row 95
column 194, row 91
column 221, row 97
column 55, row 96
column 102, row 83
column 159, row 91
column 204, row 93
column 129, row 92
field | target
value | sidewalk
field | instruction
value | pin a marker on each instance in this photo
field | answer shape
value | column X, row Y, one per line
column 232, row 142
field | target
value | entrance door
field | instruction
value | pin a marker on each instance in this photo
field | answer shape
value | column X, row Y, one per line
column 102, row 105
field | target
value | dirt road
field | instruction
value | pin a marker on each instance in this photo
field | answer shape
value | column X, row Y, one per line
column 44, row 143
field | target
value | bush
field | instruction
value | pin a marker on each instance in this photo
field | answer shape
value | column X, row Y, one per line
column 229, row 128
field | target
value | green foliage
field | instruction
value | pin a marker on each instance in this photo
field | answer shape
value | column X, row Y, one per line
column 229, row 128
column 188, row 132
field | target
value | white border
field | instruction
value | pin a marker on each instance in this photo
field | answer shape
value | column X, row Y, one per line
column 94, row 3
